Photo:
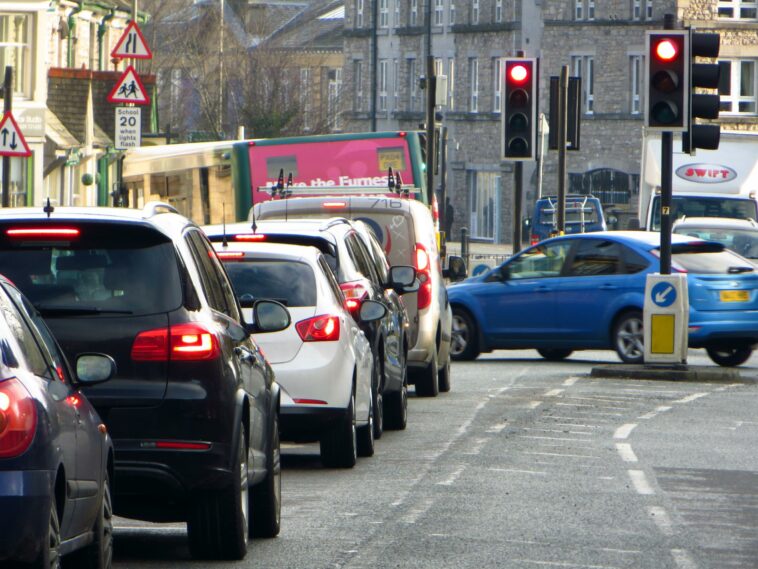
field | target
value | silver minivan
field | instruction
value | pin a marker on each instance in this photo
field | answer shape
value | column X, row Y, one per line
column 406, row 231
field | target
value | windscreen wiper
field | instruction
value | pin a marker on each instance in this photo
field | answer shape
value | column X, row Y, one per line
column 53, row 310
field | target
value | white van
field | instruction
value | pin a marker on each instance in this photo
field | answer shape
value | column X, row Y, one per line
column 406, row 231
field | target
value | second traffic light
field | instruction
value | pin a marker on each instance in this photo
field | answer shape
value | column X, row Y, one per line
column 668, row 88
column 520, row 109
column 703, row 105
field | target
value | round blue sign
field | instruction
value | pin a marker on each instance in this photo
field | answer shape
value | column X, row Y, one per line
column 663, row 294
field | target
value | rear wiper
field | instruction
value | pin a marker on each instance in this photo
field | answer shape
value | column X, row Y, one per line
column 48, row 310
column 733, row 270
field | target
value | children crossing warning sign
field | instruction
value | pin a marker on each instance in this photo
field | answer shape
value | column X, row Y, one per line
column 12, row 142
column 129, row 89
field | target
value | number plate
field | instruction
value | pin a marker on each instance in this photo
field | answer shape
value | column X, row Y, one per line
column 734, row 296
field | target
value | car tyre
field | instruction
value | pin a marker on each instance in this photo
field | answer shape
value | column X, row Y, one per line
column 377, row 398
column 396, row 405
column 365, row 434
column 729, row 357
column 427, row 379
column 464, row 345
column 99, row 553
column 444, row 376
column 628, row 337
column 339, row 445
column 49, row 555
column 266, row 496
column 218, row 524
column 554, row 354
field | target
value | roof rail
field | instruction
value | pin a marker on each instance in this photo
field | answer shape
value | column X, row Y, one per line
column 154, row 208
column 334, row 221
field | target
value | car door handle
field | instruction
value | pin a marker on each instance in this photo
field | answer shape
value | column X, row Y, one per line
column 543, row 289
column 607, row 287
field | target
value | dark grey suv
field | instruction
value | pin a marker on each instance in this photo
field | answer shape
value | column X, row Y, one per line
column 193, row 410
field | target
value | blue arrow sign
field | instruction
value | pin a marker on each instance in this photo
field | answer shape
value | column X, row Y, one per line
column 663, row 294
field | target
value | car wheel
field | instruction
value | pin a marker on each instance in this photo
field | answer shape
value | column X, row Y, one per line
column 365, row 434
column 427, row 379
column 729, row 357
column 628, row 337
column 339, row 445
column 444, row 376
column 554, row 354
column 49, row 556
column 464, row 344
column 218, row 523
column 98, row 554
column 396, row 404
column 266, row 497
column 377, row 399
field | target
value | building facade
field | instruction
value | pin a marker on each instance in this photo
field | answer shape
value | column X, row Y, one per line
column 602, row 42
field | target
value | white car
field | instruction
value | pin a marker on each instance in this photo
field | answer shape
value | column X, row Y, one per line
column 739, row 235
column 322, row 361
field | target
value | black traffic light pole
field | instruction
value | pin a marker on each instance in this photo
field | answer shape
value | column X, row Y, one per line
column 667, row 161
column 562, row 139
column 7, row 103
column 431, row 99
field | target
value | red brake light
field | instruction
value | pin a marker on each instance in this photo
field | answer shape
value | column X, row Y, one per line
column 423, row 273
column 18, row 418
column 354, row 293
column 230, row 255
column 184, row 342
column 535, row 239
column 250, row 237
column 334, row 205
column 422, row 258
column 43, row 233
column 435, row 209
column 323, row 328
column 402, row 134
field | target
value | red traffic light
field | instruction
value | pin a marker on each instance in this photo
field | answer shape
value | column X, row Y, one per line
column 667, row 50
column 518, row 73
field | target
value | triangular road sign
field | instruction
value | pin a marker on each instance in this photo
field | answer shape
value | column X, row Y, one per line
column 129, row 89
column 12, row 142
column 132, row 44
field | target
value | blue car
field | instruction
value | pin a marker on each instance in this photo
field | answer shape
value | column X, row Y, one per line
column 55, row 453
column 580, row 292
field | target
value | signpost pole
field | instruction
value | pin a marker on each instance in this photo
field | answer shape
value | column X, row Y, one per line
column 7, row 104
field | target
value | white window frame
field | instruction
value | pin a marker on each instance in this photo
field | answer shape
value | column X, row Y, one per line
column 451, row 84
column 497, row 84
column 383, row 77
column 335, row 92
column 636, row 69
column 579, row 9
column 740, row 10
column 451, row 13
column 306, row 99
column 395, row 85
column 584, row 66
column 358, row 13
column 736, row 96
column 358, row 82
column 439, row 12
column 474, row 11
column 484, row 204
column 473, row 73
column 13, row 49
column 498, row 11
column 396, row 20
column 412, row 83
column 414, row 13
column 384, row 14
column 590, row 10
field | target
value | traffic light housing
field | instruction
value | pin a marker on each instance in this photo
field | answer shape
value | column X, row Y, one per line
column 519, row 119
column 702, row 105
column 668, row 83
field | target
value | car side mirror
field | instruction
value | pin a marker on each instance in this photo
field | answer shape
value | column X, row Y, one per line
column 505, row 272
column 456, row 269
column 371, row 310
column 268, row 316
column 92, row 369
column 402, row 279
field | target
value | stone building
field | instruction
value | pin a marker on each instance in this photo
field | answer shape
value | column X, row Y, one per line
column 601, row 42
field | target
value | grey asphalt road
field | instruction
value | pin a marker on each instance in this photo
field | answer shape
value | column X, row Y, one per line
column 524, row 464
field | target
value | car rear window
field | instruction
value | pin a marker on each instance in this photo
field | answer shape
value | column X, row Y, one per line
column 395, row 234
column 290, row 282
column 707, row 258
column 108, row 268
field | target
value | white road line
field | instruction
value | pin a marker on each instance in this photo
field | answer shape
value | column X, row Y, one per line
column 624, row 431
column 691, row 398
column 554, row 392
column 578, row 425
column 494, row 429
column 476, row 448
column 584, row 434
column 413, row 515
column 661, row 519
column 539, row 472
column 534, row 404
column 450, row 480
column 683, row 559
column 563, row 564
column 563, row 454
column 570, row 381
column 640, row 482
column 552, row 438
column 661, row 409
column 626, row 452
column 603, row 421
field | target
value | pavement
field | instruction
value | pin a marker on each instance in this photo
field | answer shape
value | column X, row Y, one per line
column 672, row 372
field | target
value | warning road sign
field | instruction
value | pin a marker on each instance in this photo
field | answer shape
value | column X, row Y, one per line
column 129, row 89
column 12, row 142
column 132, row 44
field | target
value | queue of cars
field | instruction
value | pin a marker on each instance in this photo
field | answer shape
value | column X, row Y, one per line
column 303, row 336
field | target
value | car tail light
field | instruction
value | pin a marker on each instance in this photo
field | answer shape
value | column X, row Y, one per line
column 45, row 233
column 334, row 205
column 355, row 293
column 424, row 275
column 18, row 418
column 230, row 255
column 535, row 239
column 184, row 342
column 250, row 237
column 435, row 210
column 323, row 328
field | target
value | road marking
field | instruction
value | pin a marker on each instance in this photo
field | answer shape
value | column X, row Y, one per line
column 591, row 406
column 579, row 425
column 539, row 472
column 476, row 448
column 563, row 564
column 450, row 480
column 624, row 431
column 661, row 519
column 554, row 392
column 683, row 559
column 552, row 438
column 640, row 482
column 570, row 381
column 562, row 454
column 495, row 429
column 598, row 413
column 413, row 515
column 584, row 434
column 603, row 421
column 626, row 452
column 691, row 398
column 660, row 409
column 534, row 404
